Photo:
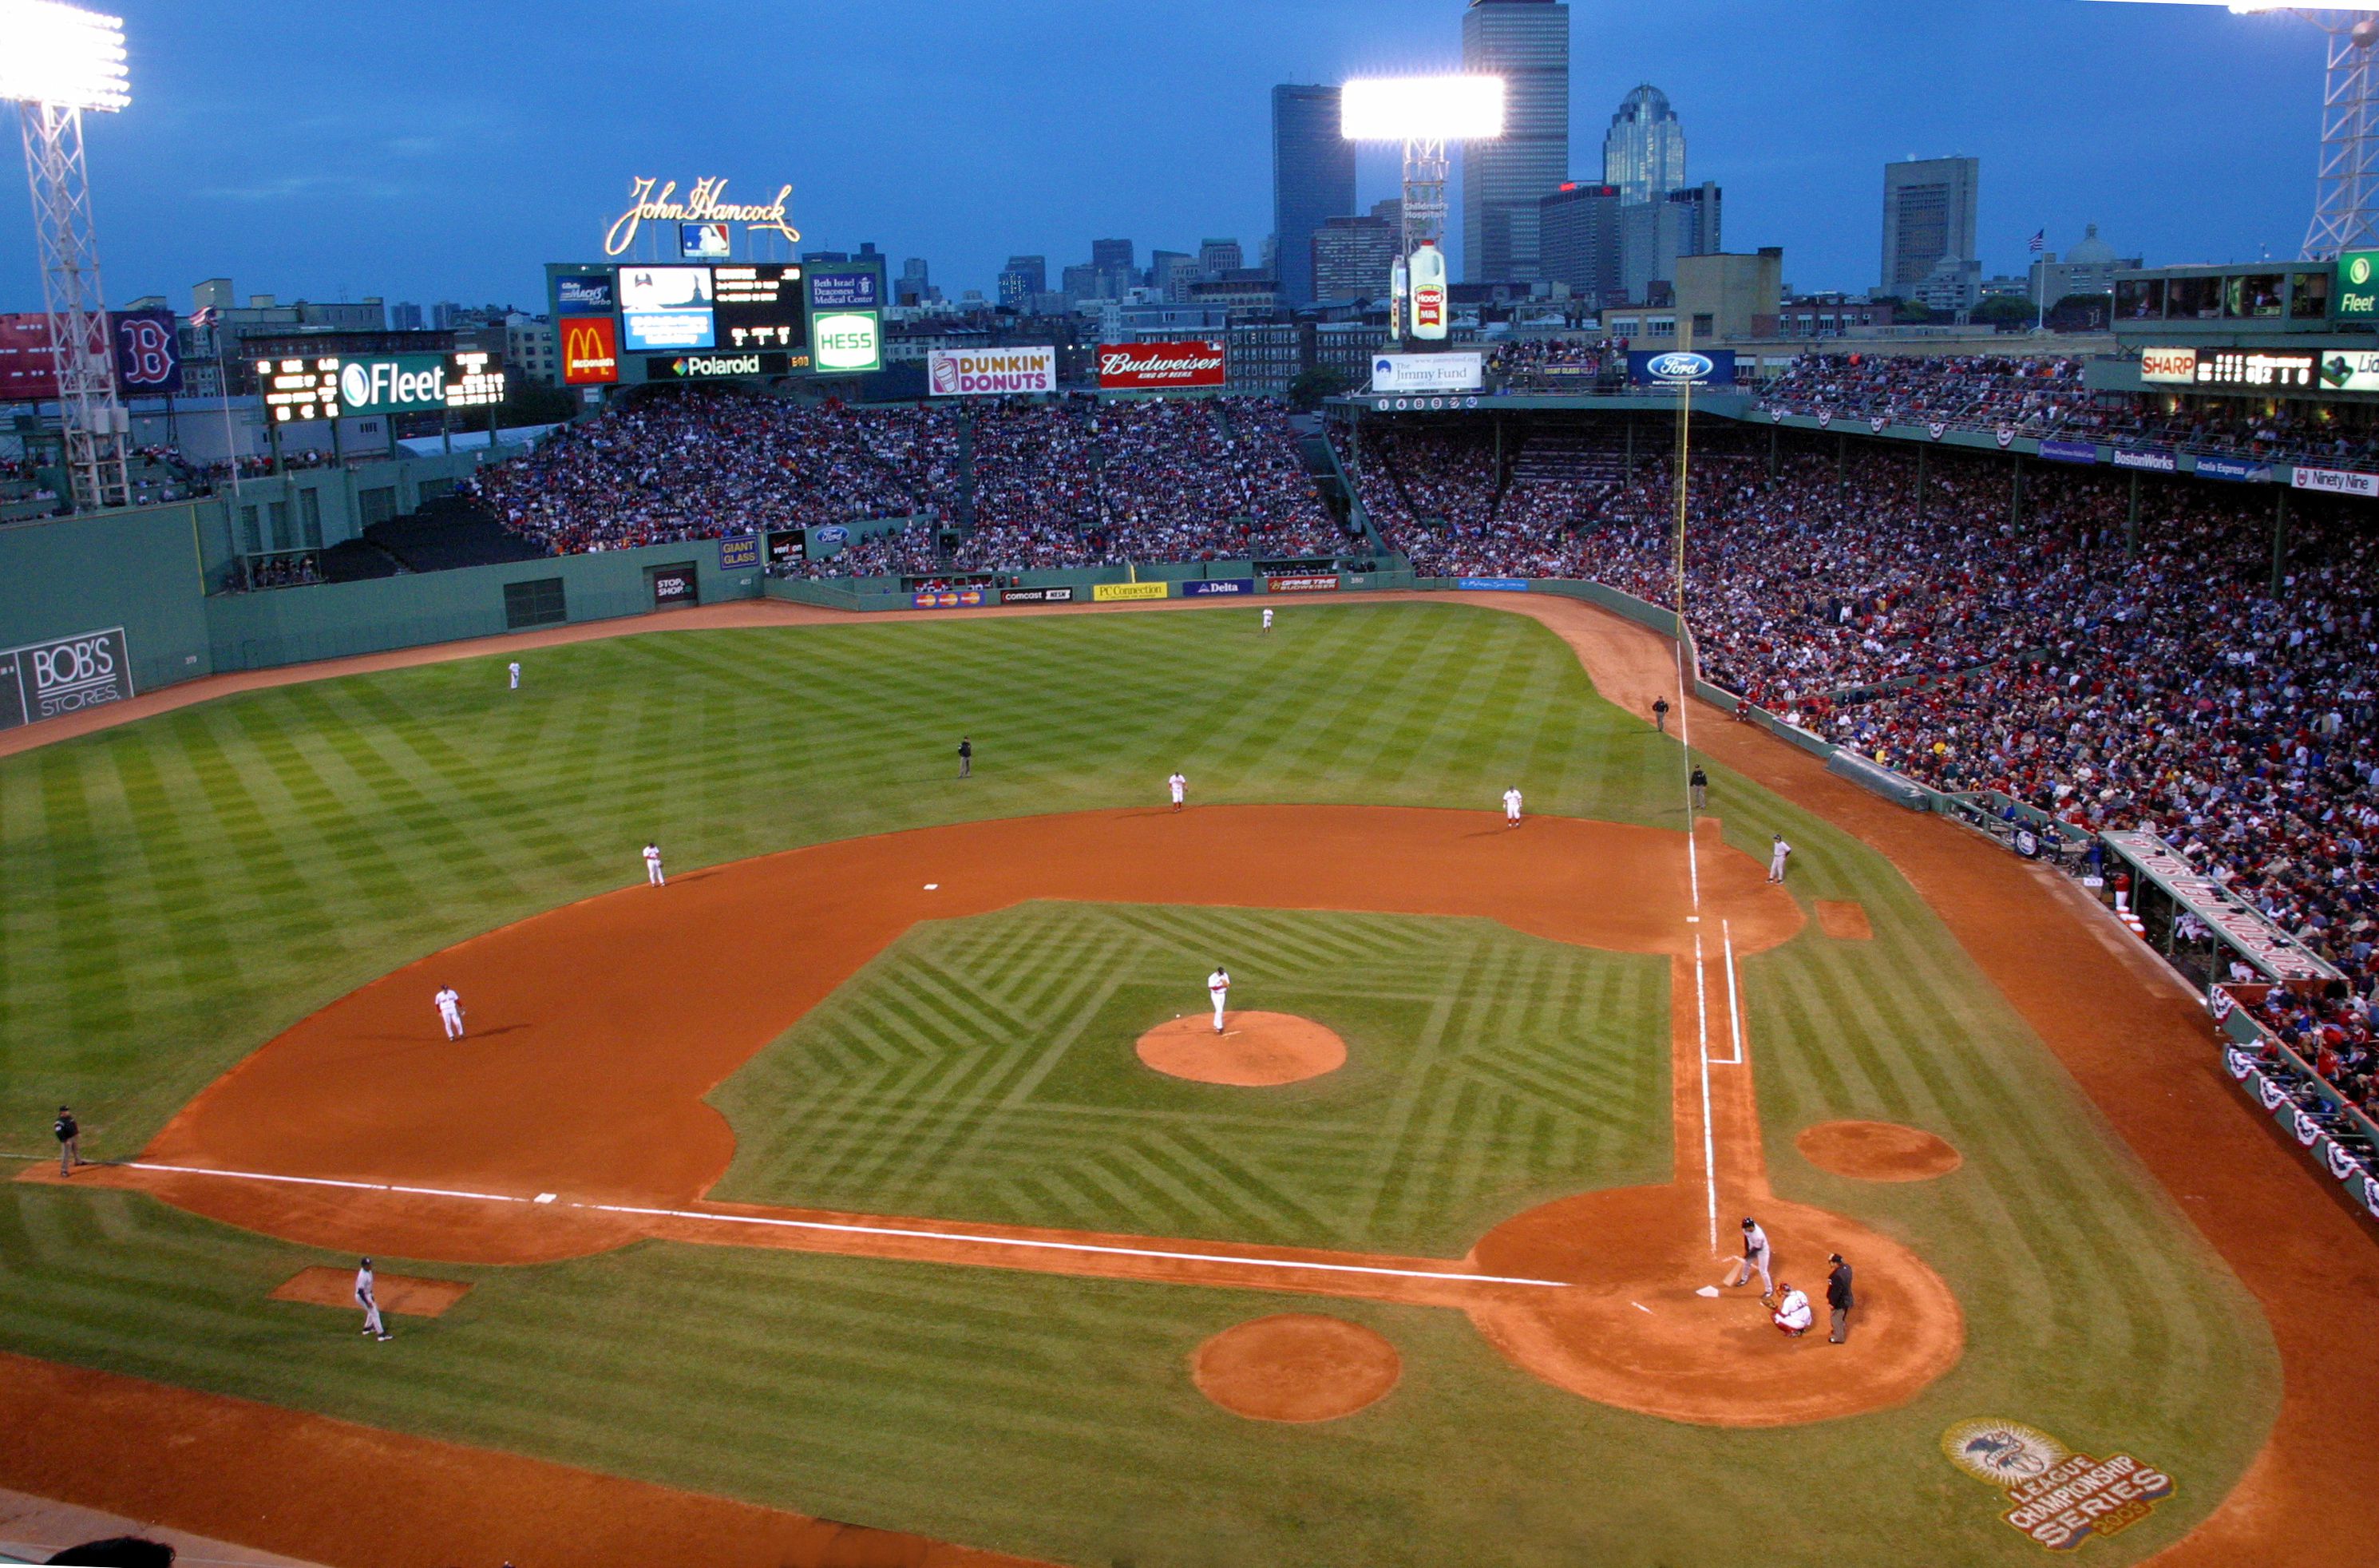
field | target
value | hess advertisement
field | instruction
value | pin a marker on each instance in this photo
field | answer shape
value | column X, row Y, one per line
column 1159, row 367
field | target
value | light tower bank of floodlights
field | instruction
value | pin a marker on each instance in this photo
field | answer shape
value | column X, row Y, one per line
column 2346, row 191
column 55, row 62
column 1425, row 114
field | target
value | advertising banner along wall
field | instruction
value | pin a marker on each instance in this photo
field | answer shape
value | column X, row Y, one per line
column 147, row 351
column 1159, row 367
column 1428, row 372
column 64, row 675
column 991, row 372
column 1681, row 368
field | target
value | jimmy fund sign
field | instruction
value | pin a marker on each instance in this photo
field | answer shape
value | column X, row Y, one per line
column 64, row 675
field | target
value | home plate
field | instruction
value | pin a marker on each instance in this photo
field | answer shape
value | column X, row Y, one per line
column 1707, row 1290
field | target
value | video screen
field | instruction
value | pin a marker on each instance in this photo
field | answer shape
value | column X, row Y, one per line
column 666, row 309
column 759, row 306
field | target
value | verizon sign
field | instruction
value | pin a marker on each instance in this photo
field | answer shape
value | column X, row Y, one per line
column 1159, row 367
column 991, row 372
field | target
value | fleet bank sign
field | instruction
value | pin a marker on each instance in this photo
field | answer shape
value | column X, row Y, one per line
column 396, row 383
column 2354, row 297
column 64, row 675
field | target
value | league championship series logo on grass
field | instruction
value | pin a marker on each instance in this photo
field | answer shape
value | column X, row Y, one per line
column 2060, row 1498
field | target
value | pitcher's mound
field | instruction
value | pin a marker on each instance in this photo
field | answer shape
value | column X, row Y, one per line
column 1254, row 1050
column 1295, row 1366
column 1877, row 1151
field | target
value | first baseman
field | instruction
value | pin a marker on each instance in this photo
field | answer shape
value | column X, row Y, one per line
column 1180, row 787
column 1777, row 853
column 450, row 1011
column 1218, row 986
column 653, row 878
column 364, row 1299
column 1512, row 806
column 1755, row 1260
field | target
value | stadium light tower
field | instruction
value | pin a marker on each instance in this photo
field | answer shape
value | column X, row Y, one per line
column 1424, row 114
column 2346, row 191
column 55, row 62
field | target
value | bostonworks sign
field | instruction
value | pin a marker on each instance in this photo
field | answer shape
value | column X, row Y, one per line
column 1159, row 367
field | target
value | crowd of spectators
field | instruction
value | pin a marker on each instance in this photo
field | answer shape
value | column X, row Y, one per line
column 2045, row 396
column 2158, row 682
column 285, row 571
column 701, row 462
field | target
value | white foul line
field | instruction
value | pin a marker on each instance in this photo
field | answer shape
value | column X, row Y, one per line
column 1733, row 1008
column 1019, row 1242
column 1709, row 1138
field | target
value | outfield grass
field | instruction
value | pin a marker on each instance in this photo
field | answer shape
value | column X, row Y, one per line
column 181, row 886
column 983, row 1069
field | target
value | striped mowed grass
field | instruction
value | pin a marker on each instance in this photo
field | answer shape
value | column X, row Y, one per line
column 181, row 887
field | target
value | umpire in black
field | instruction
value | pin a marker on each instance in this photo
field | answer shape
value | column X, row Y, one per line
column 1838, row 1298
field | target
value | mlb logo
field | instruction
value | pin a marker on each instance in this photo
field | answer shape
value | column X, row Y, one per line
column 702, row 242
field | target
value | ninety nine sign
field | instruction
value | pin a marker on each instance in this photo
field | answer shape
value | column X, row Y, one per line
column 2333, row 481
column 991, row 372
column 1156, row 367
column 64, row 675
column 704, row 203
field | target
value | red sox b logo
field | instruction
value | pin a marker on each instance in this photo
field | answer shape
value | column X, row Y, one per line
column 145, row 352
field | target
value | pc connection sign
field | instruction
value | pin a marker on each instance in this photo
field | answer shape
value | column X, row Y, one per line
column 64, row 675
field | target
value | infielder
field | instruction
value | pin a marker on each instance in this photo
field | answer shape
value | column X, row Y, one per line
column 1778, row 853
column 653, row 878
column 372, row 1324
column 1512, row 806
column 515, row 669
column 1267, row 620
column 1218, row 986
column 1792, row 1314
column 68, row 1133
column 1755, row 1260
column 450, row 1011
column 1180, row 787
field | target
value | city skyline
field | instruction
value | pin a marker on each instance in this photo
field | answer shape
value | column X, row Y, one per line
column 416, row 181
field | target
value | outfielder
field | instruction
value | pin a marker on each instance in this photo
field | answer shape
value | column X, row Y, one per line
column 1756, row 1260
column 1778, row 853
column 1218, row 986
column 1267, row 620
column 1180, row 787
column 1512, row 806
column 653, row 878
column 450, row 1011
column 372, row 1324
column 515, row 669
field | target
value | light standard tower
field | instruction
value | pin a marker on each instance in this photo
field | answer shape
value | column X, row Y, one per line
column 1425, row 116
column 55, row 62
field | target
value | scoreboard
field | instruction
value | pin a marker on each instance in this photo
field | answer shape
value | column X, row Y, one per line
column 678, row 320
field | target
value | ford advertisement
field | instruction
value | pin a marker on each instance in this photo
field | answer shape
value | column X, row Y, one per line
column 1681, row 368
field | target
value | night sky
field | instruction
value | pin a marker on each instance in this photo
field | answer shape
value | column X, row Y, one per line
column 427, row 151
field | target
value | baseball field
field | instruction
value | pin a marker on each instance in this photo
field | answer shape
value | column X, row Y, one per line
column 869, row 1177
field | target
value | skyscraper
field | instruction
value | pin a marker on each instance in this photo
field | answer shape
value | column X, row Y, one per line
column 1698, row 225
column 1312, row 179
column 1023, row 277
column 1579, row 238
column 1527, row 43
column 1644, row 151
column 1216, row 257
column 1353, row 256
column 1928, row 215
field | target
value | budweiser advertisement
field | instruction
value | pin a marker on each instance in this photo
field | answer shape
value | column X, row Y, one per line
column 1159, row 367
column 991, row 372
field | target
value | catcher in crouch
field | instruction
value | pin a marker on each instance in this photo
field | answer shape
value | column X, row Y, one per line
column 1792, row 1314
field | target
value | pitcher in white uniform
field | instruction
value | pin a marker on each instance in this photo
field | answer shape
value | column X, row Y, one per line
column 1218, row 986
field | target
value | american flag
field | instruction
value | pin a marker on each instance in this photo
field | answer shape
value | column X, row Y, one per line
column 2039, row 238
column 205, row 315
